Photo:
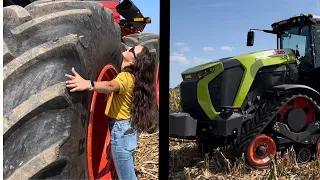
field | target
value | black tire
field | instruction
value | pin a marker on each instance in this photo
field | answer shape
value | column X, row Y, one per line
column 151, row 41
column 45, row 126
column 204, row 147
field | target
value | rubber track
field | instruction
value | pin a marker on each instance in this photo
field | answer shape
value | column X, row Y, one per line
column 265, row 114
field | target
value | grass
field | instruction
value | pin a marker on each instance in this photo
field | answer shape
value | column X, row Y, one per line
column 186, row 162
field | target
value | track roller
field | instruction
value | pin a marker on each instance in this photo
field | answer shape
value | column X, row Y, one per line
column 260, row 151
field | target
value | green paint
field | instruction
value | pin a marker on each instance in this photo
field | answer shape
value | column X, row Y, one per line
column 203, row 95
column 199, row 68
column 252, row 63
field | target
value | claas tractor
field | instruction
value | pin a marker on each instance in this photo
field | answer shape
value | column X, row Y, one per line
column 50, row 133
column 258, row 104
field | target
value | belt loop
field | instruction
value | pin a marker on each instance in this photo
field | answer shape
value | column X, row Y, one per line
column 118, row 124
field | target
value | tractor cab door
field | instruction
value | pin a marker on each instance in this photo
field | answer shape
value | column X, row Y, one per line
column 301, row 44
column 310, row 77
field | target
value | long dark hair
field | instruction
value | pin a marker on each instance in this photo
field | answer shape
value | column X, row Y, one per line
column 144, row 108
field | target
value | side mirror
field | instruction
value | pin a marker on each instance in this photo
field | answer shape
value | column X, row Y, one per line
column 250, row 38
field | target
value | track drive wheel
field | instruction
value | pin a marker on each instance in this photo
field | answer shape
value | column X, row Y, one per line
column 299, row 108
column 260, row 151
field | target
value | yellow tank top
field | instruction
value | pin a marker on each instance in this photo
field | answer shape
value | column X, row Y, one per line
column 119, row 104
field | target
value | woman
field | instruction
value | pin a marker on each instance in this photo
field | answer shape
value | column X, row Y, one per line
column 131, row 106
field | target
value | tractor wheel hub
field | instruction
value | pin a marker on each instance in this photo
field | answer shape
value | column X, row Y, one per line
column 261, row 150
column 296, row 119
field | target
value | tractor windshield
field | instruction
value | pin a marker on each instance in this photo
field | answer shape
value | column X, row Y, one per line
column 301, row 44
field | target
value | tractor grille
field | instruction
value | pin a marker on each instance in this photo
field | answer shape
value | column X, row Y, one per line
column 222, row 89
column 188, row 90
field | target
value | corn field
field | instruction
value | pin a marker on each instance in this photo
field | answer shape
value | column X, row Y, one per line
column 186, row 162
column 174, row 100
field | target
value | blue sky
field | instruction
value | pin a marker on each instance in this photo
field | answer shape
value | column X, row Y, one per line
column 206, row 30
column 151, row 10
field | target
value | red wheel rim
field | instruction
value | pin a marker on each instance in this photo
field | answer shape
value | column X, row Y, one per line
column 157, row 85
column 100, row 163
column 259, row 159
column 299, row 103
column 318, row 147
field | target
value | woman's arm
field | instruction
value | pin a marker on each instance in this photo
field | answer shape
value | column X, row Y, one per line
column 77, row 83
column 106, row 87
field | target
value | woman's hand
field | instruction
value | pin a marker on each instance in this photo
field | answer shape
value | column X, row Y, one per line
column 77, row 83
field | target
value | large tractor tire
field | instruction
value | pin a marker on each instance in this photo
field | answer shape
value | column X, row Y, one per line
column 151, row 41
column 45, row 126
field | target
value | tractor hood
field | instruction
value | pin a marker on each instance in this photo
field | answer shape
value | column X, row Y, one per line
column 247, row 60
column 207, row 89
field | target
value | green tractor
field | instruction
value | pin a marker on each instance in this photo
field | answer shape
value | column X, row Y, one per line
column 259, row 103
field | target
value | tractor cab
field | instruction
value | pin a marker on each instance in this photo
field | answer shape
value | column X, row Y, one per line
column 299, row 33
column 302, row 35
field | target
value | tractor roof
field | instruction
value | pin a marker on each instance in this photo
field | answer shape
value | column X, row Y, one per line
column 292, row 21
column 317, row 18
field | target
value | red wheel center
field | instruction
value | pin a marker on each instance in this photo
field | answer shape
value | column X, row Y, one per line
column 299, row 103
column 100, row 163
column 318, row 146
column 260, row 150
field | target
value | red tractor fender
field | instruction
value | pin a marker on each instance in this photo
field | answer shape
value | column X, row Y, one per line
column 112, row 6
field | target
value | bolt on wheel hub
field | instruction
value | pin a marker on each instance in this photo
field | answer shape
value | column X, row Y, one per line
column 261, row 150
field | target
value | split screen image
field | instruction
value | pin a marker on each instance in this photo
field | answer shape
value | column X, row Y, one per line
column 83, row 99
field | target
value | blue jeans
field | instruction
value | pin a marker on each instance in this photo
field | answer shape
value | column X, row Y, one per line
column 123, row 142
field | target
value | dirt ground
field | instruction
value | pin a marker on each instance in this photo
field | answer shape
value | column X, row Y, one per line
column 186, row 162
column 146, row 156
